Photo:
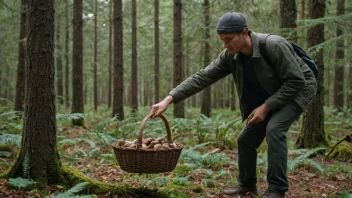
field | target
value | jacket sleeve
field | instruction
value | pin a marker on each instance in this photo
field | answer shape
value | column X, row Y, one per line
column 216, row 70
column 289, row 71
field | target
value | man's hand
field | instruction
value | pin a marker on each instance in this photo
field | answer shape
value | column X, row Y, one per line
column 162, row 106
column 258, row 114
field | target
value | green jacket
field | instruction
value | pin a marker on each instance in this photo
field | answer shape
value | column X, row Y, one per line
column 289, row 79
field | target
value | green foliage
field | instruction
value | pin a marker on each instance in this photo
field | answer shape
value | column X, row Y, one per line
column 345, row 194
column 73, row 191
column 158, row 181
column 303, row 159
column 338, row 168
column 6, row 139
column 26, row 165
column 180, row 180
column 70, row 142
column 71, row 116
column 207, row 160
column 21, row 183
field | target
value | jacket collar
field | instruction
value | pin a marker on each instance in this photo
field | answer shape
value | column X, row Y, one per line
column 255, row 45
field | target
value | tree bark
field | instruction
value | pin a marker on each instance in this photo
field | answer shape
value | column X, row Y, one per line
column 67, row 72
column 340, row 55
column 117, row 109
column 110, row 55
column 59, row 85
column 95, row 56
column 303, row 9
column 179, row 111
column 349, row 92
column 134, row 77
column 21, row 66
column 312, row 132
column 156, row 52
column 1, row 82
column 288, row 18
column 39, row 158
column 77, row 62
column 206, row 99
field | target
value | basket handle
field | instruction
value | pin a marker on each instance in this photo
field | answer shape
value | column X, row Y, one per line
column 141, row 129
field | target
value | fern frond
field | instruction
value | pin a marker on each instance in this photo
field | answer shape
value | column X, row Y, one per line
column 10, row 139
column 304, row 159
column 70, row 116
column 21, row 183
column 180, row 180
column 70, row 142
column 26, row 165
column 90, row 142
column 74, row 190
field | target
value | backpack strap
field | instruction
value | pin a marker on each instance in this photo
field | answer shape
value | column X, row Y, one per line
column 262, row 49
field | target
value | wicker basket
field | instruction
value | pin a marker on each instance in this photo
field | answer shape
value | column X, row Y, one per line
column 148, row 161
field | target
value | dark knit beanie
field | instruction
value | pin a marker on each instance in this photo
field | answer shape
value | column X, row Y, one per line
column 231, row 22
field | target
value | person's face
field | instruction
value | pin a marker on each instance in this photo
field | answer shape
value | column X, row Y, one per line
column 233, row 42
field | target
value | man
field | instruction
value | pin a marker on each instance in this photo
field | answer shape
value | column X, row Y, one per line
column 271, row 97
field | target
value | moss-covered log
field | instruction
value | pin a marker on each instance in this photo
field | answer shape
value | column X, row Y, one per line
column 342, row 151
column 70, row 177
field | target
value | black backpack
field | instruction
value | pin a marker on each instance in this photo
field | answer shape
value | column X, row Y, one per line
column 299, row 51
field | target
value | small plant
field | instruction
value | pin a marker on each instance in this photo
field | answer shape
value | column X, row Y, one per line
column 304, row 159
column 73, row 191
column 20, row 183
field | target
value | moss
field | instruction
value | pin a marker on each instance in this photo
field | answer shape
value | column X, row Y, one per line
column 74, row 177
column 342, row 151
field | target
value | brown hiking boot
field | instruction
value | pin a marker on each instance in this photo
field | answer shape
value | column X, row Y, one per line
column 269, row 194
column 241, row 190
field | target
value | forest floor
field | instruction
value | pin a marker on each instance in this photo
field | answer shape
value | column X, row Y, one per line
column 304, row 180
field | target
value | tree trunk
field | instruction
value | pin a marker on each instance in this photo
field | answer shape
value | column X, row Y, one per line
column 77, row 62
column 1, row 82
column 312, row 131
column 67, row 71
column 39, row 158
column 206, row 99
column 134, row 77
column 349, row 92
column 117, row 109
column 110, row 55
column 288, row 17
column 21, row 67
column 340, row 55
column 59, row 85
column 95, row 57
column 156, row 52
column 179, row 111
column 303, row 9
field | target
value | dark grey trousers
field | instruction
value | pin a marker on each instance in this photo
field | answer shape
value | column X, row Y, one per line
column 274, row 128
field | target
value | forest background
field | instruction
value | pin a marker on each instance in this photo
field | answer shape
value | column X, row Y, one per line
column 110, row 60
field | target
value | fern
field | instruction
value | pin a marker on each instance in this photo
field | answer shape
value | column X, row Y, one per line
column 158, row 181
column 304, row 159
column 93, row 152
column 90, row 142
column 21, row 183
column 11, row 114
column 74, row 190
column 105, row 139
column 207, row 160
column 25, row 165
column 71, row 116
column 81, row 151
column 180, row 180
column 10, row 139
column 70, row 142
